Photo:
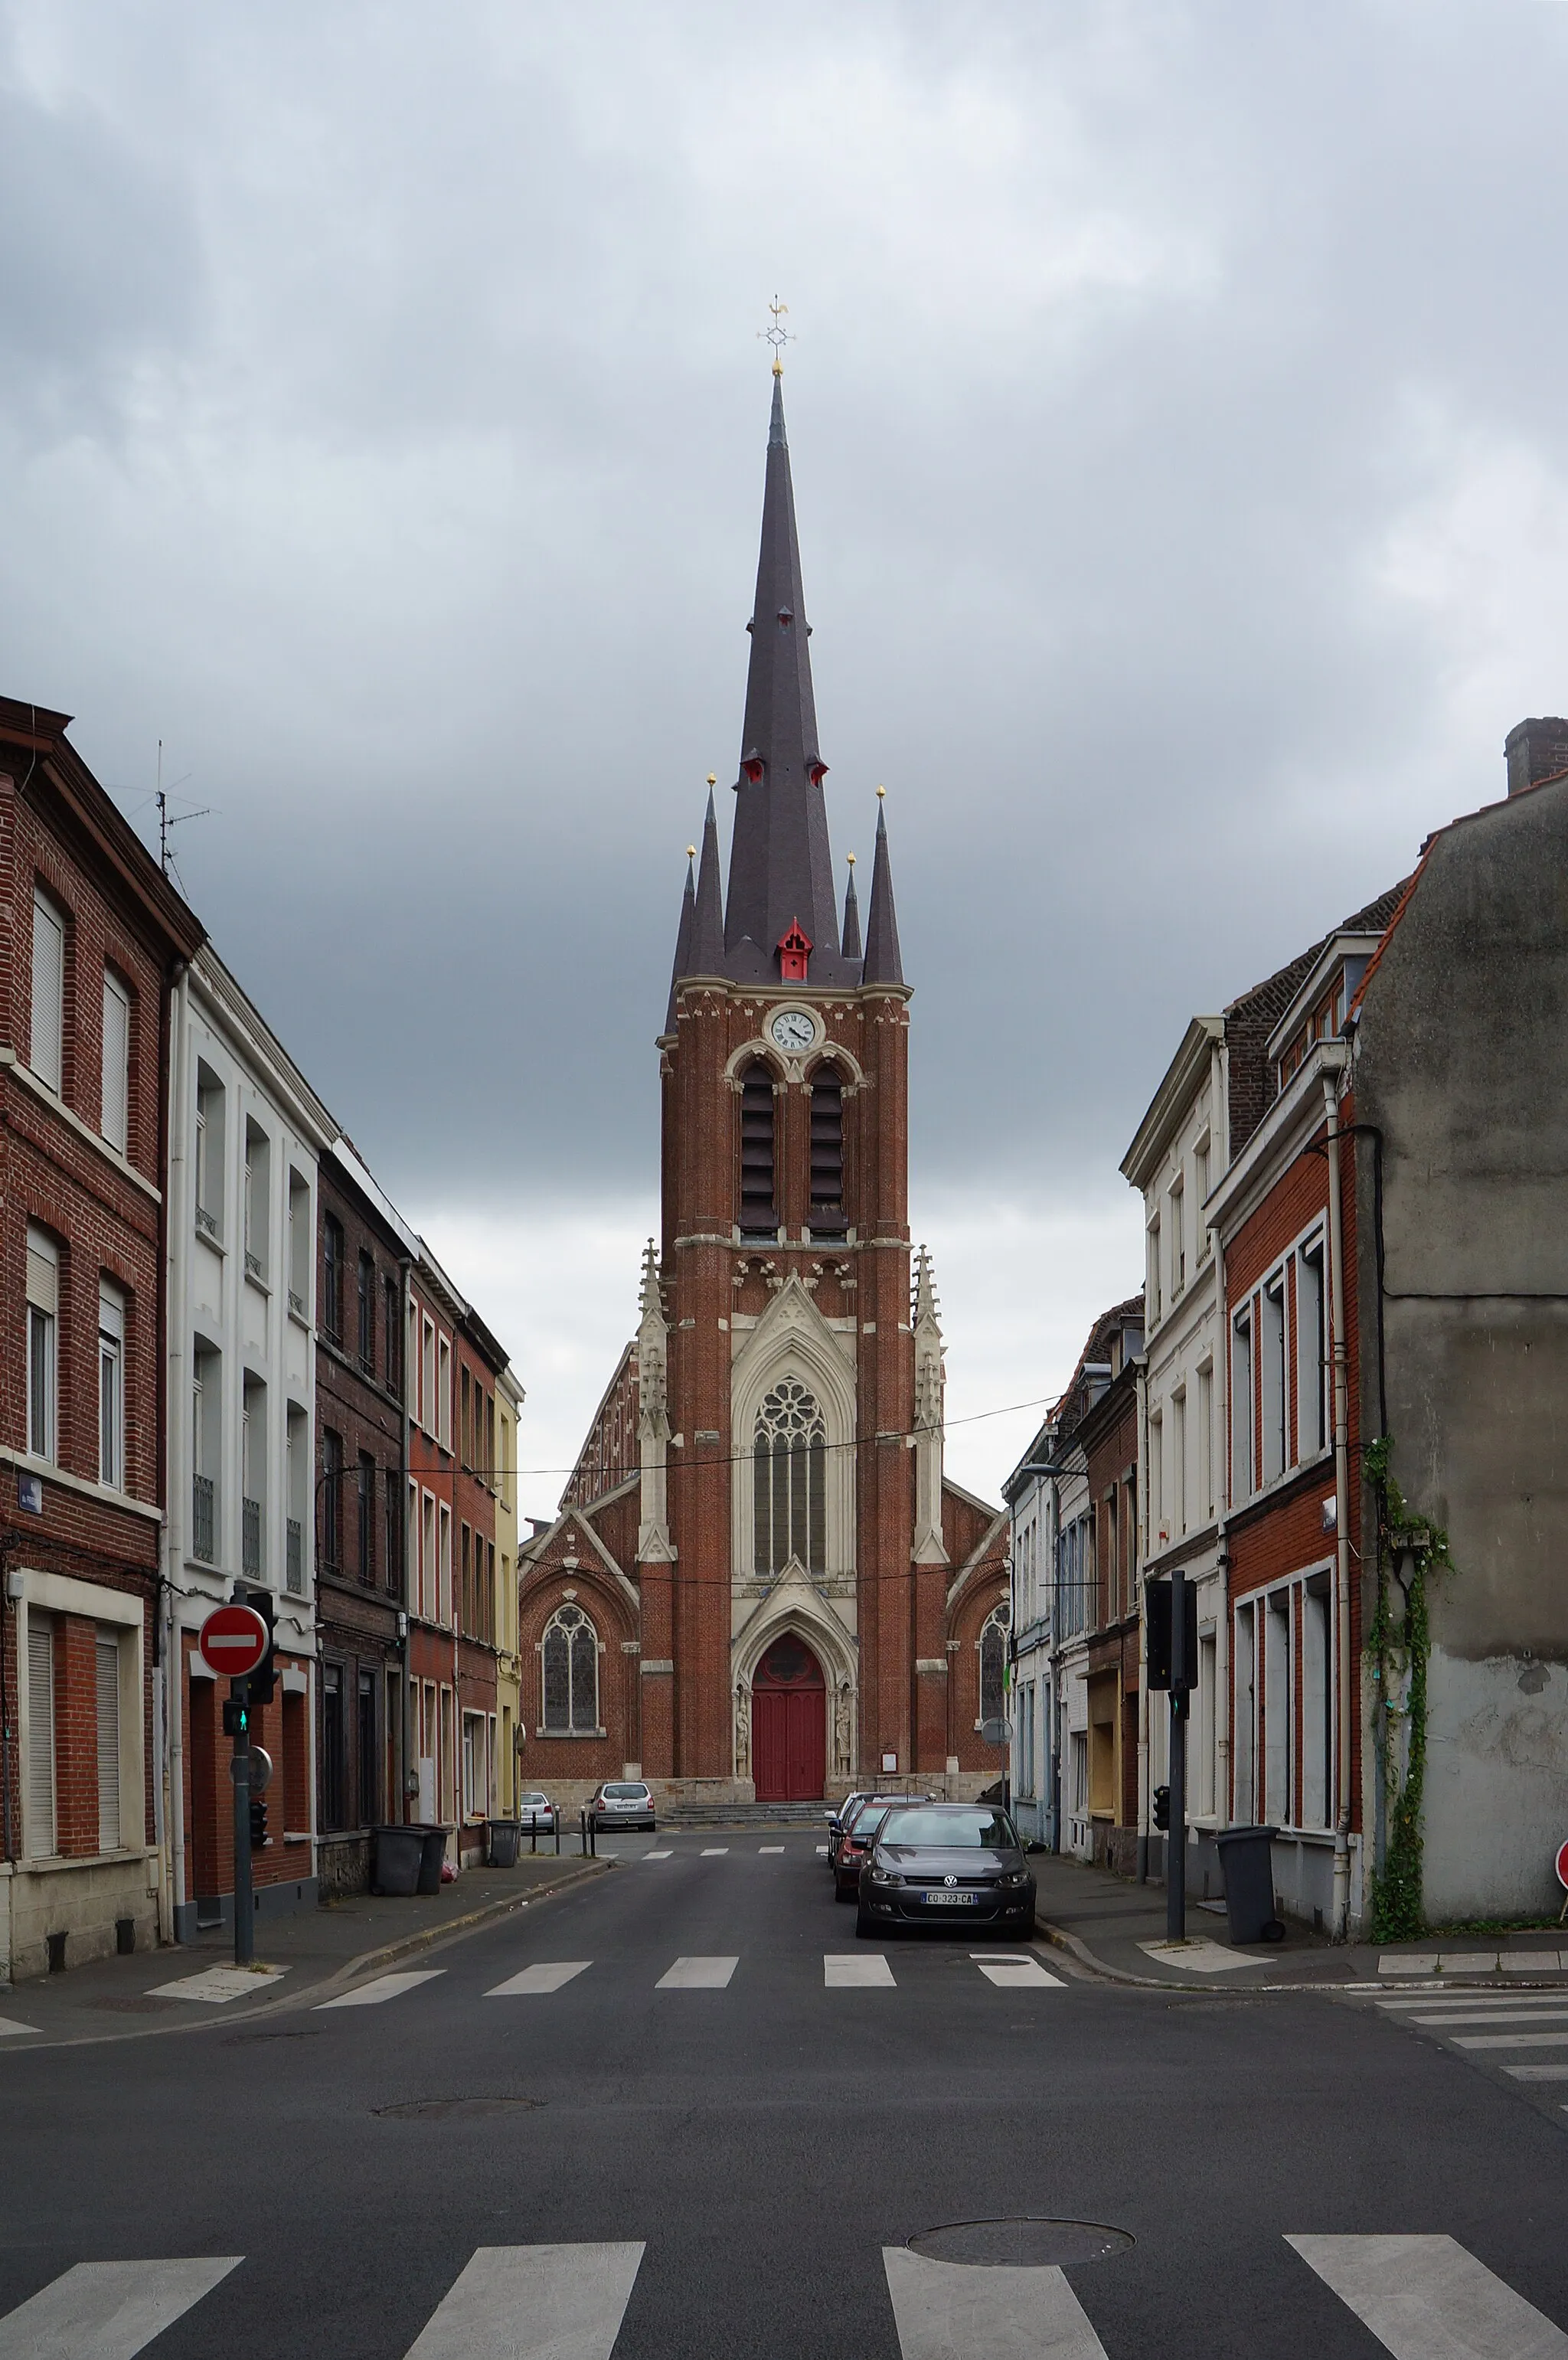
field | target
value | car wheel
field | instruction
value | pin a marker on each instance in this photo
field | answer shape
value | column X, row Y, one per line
column 865, row 1926
column 842, row 1892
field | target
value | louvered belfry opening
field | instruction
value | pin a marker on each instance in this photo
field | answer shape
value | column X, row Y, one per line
column 758, row 1207
column 827, row 1153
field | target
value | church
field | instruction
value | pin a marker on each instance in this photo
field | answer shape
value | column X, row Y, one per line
column 760, row 1585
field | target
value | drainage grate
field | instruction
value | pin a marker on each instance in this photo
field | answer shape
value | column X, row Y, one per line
column 1021, row 2244
column 448, row 2110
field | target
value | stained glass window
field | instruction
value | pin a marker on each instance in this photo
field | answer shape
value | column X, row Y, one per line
column 993, row 1662
column 570, row 1673
column 790, row 1475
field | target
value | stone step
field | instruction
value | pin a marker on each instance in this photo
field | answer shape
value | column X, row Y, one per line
column 742, row 1815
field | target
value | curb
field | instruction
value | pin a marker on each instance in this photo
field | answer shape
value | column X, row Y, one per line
column 1059, row 1936
column 410, row 1945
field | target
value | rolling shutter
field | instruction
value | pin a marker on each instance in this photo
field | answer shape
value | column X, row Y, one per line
column 108, row 1743
column 43, row 1272
column 41, row 1839
column 49, row 985
column 117, row 1063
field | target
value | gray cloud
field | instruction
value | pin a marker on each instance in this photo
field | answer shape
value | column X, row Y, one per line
column 1182, row 475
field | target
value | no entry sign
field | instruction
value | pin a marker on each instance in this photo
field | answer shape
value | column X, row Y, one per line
column 1562, row 1866
column 234, row 1640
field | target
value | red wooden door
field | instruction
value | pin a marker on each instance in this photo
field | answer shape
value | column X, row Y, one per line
column 789, row 1724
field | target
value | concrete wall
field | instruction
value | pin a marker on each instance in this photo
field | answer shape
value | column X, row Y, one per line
column 1461, row 1067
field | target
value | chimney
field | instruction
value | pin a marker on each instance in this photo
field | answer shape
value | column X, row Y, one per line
column 1534, row 750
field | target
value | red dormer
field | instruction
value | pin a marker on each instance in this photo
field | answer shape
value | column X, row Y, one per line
column 794, row 950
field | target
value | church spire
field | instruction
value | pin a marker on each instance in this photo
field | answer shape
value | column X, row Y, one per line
column 780, row 860
column 851, row 917
column 706, row 949
column 682, row 936
column 883, row 963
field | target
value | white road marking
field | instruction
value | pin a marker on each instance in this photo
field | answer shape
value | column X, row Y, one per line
column 658, row 1855
column 1503, row 2003
column 1012, row 1972
column 856, row 1970
column 697, row 1974
column 385, row 1987
column 1198, row 1958
column 548, row 1975
column 108, row 2310
column 943, row 2309
column 715, row 1851
column 1511, row 2041
column 1426, row 2299
column 1538, row 2072
column 770, row 1847
column 218, row 1985
column 533, row 2303
column 821, row 1852
column 10, row 2023
column 1492, row 2016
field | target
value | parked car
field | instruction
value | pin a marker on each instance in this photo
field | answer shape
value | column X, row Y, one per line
column 535, row 1810
column 945, row 1864
column 840, row 1818
column 854, row 1844
column 622, row 1803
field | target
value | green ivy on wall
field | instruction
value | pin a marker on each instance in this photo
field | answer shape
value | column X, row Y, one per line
column 1411, row 1549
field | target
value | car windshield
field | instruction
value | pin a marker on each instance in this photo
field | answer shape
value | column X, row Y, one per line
column 535, row 1798
column 952, row 1830
column 626, row 1793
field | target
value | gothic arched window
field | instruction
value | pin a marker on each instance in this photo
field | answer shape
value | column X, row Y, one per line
column 570, row 1673
column 827, row 1152
column 759, row 1205
column 992, row 1664
column 789, row 1470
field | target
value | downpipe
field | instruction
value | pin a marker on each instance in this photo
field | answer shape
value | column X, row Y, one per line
column 1340, row 1930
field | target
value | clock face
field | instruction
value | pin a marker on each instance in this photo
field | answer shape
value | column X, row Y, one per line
column 794, row 1029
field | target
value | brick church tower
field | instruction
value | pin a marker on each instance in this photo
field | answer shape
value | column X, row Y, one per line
column 760, row 1582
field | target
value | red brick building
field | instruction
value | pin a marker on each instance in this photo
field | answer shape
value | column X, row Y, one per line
column 1108, row 1436
column 769, row 1588
column 91, row 935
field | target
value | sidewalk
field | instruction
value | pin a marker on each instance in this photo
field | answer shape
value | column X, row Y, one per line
column 1118, row 1928
column 307, row 1954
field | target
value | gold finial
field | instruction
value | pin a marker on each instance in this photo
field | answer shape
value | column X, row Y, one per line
column 691, row 852
column 778, row 335
column 850, row 857
column 880, row 793
column 713, row 778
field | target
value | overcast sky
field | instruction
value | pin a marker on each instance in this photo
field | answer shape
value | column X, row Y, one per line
column 1182, row 473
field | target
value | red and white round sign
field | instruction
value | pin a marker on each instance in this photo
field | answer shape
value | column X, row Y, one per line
column 1562, row 1866
column 234, row 1640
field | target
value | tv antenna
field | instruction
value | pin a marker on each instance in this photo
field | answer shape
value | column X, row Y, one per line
column 165, row 824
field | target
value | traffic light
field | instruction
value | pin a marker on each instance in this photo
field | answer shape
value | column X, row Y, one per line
column 1173, row 1654
column 258, row 1821
column 236, row 1717
column 262, row 1682
column 1161, row 1808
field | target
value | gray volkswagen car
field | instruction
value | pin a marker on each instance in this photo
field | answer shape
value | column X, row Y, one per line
column 959, row 1864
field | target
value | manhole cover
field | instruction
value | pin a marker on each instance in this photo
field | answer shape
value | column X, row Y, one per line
column 1021, row 2244
column 449, row 2110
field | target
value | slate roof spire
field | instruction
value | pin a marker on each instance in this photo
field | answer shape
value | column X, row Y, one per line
column 682, row 936
column 852, row 949
column 883, row 963
column 706, row 950
column 780, row 858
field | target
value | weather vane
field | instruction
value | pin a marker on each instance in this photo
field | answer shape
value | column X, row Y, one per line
column 778, row 335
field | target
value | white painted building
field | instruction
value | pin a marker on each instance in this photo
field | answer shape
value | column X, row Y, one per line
column 1030, row 1497
column 245, row 1130
column 1179, row 1152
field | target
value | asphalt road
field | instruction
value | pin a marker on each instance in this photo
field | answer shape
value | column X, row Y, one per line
column 764, row 2142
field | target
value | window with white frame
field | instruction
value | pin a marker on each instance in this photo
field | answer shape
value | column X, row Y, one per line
column 1154, row 1275
column 443, row 1393
column 473, row 1778
column 1241, row 1406
column 111, row 1386
column 210, row 1107
column 257, row 1200
column 116, row 1100
column 569, row 1666
column 1312, row 1372
column 427, row 1379
column 46, row 1024
column 1178, row 1462
column 1200, row 1194
column 1206, row 1440
column 443, row 1564
column 1176, row 1215
column 107, row 1658
column 1283, row 1719
column 1208, row 1657
column 302, row 1238
column 1243, row 1715
column 42, row 1342
column 1159, row 1531
column 41, row 1839
column 1276, row 1708
column 427, row 1561
column 1271, row 1375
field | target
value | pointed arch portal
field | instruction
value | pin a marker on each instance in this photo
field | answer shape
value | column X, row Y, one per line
column 788, row 1724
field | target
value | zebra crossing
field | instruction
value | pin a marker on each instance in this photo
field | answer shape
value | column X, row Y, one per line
column 1421, row 2297
column 1493, row 2026
column 842, row 1971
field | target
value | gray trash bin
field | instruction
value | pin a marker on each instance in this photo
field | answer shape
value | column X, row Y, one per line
column 400, row 1852
column 504, row 1838
column 434, row 1852
column 1246, row 1864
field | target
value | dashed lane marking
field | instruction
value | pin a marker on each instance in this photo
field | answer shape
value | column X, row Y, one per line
column 761, row 1847
column 697, row 1974
column 107, row 2311
column 856, row 1970
column 385, row 1987
column 1014, row 1974
column 715, row 1851
column 546, row 1975
column 943, row 2309
column 1426, row 2299
column 658, row 1855
column 533, row 2303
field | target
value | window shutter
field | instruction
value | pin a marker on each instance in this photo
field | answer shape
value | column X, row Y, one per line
column 116, row 1064
column 41, row 1839
column 43, row 1273
column 48, row 986
column 108, row 1743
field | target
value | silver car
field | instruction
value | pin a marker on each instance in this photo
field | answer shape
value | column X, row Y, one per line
column 622, row 1803
column 536, row 1810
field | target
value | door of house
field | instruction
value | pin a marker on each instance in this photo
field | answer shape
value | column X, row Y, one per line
column 789, row 1724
